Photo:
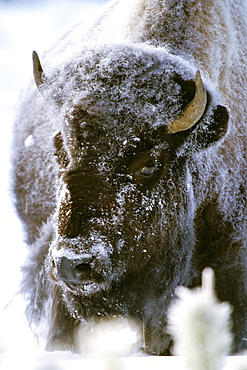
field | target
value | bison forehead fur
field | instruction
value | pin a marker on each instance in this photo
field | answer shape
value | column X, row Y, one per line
column 144, row 86
column 126, row 210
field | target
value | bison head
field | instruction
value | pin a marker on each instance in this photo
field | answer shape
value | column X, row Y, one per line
column 130, row 120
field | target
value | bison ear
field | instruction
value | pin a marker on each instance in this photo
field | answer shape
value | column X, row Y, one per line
column 215, row 129
column 60, row 152
column 208, row 131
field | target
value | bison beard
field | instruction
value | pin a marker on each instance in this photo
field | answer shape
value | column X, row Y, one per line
column 130, row 208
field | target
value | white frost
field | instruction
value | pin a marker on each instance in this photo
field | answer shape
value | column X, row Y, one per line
column 29, row 141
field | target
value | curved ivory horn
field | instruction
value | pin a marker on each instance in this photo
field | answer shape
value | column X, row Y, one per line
column 194, row 110
column 38, row 72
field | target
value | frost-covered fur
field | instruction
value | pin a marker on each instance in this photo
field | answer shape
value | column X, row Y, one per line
column 110, row 91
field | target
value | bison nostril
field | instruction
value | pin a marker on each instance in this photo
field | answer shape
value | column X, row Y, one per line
column 75, row 271
column 83, row 271
column 83, row 267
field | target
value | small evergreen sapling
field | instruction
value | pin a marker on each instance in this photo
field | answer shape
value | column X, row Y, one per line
column 201, row 326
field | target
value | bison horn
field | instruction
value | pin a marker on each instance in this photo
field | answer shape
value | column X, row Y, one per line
column 38, row 73
column 194, row 110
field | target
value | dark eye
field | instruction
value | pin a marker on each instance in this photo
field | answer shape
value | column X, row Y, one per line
column 60, row 152
column 147, row 171
column 144, row 170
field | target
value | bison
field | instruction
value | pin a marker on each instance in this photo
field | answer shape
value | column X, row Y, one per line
column 129, row 167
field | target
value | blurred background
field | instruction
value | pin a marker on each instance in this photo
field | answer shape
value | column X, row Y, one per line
column 25, row 25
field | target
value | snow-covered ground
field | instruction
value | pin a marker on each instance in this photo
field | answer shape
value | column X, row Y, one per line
column 25, row 25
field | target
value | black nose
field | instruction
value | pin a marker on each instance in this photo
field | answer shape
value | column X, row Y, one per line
column 75, row 271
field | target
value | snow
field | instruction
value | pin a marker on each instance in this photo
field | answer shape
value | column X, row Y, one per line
column 24, row 26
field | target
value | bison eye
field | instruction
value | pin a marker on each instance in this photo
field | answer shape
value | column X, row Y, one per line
column 147, row 171
column 144, row 169
column 60, row 152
